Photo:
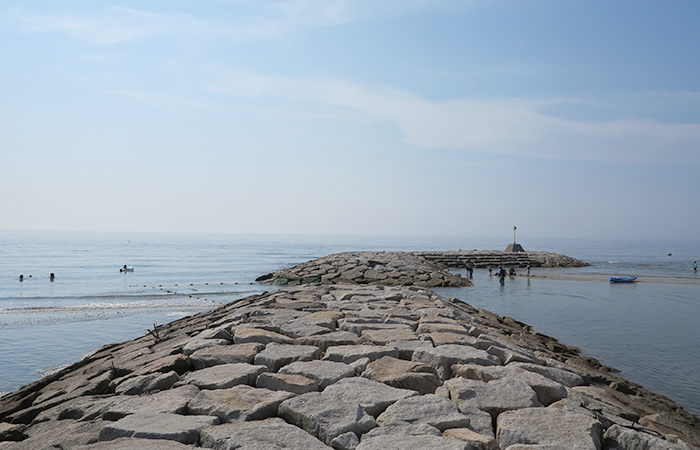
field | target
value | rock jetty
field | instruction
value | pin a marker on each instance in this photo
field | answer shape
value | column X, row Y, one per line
column 422, row 269
column 342, row 366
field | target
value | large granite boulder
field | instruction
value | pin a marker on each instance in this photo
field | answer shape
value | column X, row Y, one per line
column 428, row 409
column 224, row 376
column 326, row 416
column 549, row 427
column 373, row 396
column 443, row 357
column 239, row 403
column 229, row 354
column 323, row 372
column 275, row 355
column 174, row 427
column 269, row 434
column 401, row 374
column 494, row 397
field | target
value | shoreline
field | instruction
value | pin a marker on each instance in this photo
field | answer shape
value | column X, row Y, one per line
column 84, row 396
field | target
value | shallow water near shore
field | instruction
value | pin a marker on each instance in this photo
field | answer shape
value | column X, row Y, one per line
column 648, row 329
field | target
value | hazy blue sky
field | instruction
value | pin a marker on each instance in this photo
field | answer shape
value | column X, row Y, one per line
column 410, row 117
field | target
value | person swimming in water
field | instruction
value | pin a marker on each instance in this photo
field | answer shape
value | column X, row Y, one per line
column 52, row 276
column 21, row 278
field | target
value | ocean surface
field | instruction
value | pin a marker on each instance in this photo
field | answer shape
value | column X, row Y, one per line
column 649, row 330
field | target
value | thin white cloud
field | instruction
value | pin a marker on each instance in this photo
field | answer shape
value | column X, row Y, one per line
column 503, row 127
column 254, row 20
column 166, row 100
column 118, row 25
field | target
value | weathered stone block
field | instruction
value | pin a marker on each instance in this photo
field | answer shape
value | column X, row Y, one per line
column 297, row 384
column 275, row 356
column 373, row 396
column 173, row 427
column 230, row 354
column 424, row 409
column 494, row 397
column 443, row 357
column 349, row 353
column 416, row 376
column 546, row 426
column 244, row 335
column 224, row 376
column 239, row 403
column 269, row 434
column 323, row 372
column 326, row 417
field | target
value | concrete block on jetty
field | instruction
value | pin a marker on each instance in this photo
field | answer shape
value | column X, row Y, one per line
column 342, row 366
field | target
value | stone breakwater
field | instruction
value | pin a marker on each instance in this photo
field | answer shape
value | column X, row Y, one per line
column 343, row 367
column 493, row 258
column 422, row 269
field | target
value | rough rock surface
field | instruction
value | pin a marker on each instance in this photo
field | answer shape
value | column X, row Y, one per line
column 424, row 269
column 363, row 396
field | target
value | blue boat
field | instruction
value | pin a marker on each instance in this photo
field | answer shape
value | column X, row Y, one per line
column 622, row 279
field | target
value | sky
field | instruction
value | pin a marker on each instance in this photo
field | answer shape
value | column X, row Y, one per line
column 567, row 119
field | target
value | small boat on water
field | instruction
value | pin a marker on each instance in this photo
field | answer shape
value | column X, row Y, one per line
column 623, row 279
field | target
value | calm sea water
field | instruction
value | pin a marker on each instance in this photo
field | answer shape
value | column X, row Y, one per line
column 648, row 330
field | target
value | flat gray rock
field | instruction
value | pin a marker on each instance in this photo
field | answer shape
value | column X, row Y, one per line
column 407, row 347
column 443, row 357
column 564, row 377
column 275, row 355
column 229, row 354
column 373, row 396
column 298, row 384
column 401, row 374
column 307, row 326
column 244, row 335
column 621, row 438
column 147, row 383
column 441, row 327
column 422, row 442
column 546, row 426
column 172, row 401
column 323, row 372
column 383, row 336
column 428, row 409
column 198, row 344
column 323, row 341
column 270, row 434
column 511, row 355
column 548, row 391
column 493, row 397
column 325, row 416
column 133, row 444
column 173, row 427
column 403, row 429
column 346, row 441
column 350, row 353
column 224, row 376
column 475, row 440
column 239, row 403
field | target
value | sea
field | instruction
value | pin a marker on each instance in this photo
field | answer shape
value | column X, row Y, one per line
column 649, row 330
